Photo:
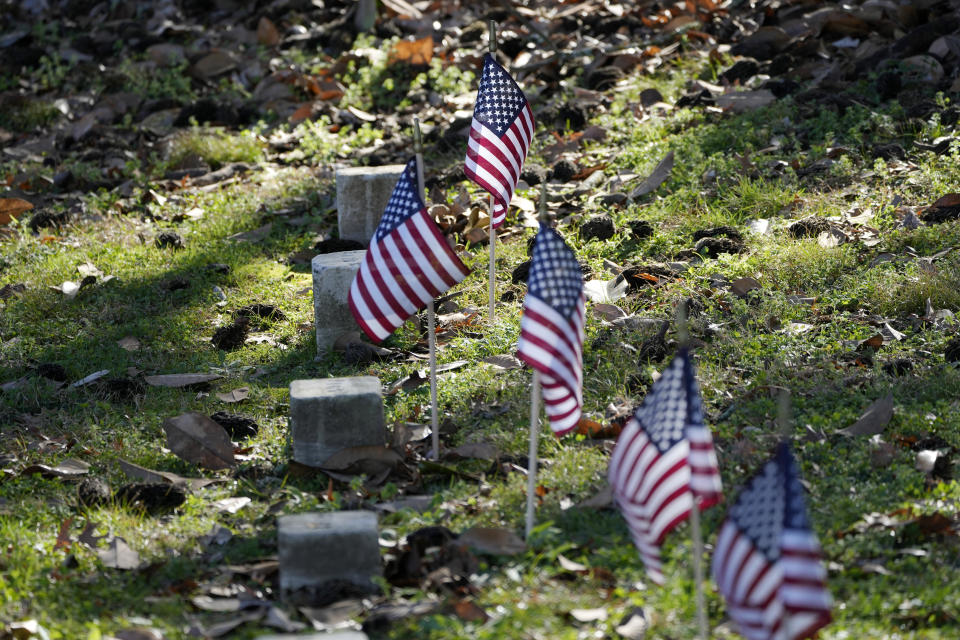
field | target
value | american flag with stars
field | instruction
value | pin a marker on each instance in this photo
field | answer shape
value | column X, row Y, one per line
column 551, row 330
column 767, row 561
column 408, row 263
column 663, row 461
column 499, row 136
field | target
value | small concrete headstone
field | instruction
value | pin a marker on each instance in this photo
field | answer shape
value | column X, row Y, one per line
column 315, row 548
column 333, row 274
column 362, row 195
column 330, row 414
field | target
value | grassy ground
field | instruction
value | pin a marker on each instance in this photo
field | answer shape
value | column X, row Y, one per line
column 894, row 578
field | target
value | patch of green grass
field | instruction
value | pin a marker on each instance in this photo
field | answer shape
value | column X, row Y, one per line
column 215, row 147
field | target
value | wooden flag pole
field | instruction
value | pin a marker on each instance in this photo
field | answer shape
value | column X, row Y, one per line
column 683, row 337
column 784, row 410
column 534, row 414
column 431, row 316
column 532, row 455
column 492, row 233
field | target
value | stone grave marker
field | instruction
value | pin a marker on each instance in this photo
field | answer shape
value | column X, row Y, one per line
column 333, row 274
column 330, row 414
column 362, row 195
column 315, row 548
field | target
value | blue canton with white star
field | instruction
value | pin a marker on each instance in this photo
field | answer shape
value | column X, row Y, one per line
column 771, row 501
column 404, row 202
column 672, row 404
column 555, row 275
column 499, row 99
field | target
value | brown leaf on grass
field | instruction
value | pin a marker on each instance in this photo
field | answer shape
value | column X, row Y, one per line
column 372, row 461
column 237, row 395
column 415, row 52
column 13, row 207
column 129, row 343
column 180, row 380
column 478, row 450
column 874, row 342
column 88, row 537
column 743, row 286
column 469, row 611
column 213, row 64
column 504, row 361
column 63, row 536
column 267, row 33
column 873, row 420
column 149, row 475
column 198, row 439
column 594, row 429
column 68, row 468
column 745, row 101
column 493, row 540
column 660, row 174
column 601, row 500
column 119, row 555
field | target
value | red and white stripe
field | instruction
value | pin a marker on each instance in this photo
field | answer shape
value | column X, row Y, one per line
column 652, row 490
column 553, row 345
column 782, row 600
column 495, row 161
column 705, row 479
column 401, row 273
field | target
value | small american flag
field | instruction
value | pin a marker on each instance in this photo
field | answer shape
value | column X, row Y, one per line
column 408, row 263
column 767, row 561
column 499, row 136
column 551, row 330
column 664, row 459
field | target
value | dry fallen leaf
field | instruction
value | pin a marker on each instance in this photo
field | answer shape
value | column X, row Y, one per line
column 745, row 101
column 119, row 555
column 68, row 468
column 873, row 420
column 660, row 174
column 237, row 395
column 198, row 439
column 13, row 207
column 129, row 343
column 179, row 380
column 267, row 33
column 589, row 615
column 416, row 52
column 493, row 541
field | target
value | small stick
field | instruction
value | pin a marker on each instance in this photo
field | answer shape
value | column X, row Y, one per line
column 492, row 233
column 784, row 411
column 683, row 330
column 698, row 567
column 431, row 316
column 532, row 456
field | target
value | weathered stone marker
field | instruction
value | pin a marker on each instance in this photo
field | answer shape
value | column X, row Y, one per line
column 330, row 414
column 315, row 548
column 362, row 195
column 333, row 274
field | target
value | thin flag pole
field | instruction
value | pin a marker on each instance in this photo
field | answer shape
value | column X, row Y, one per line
column 532, row 456
column 492, row 233
column 683, row 337
column 534, row 413
column 784, row 410
column 431, row 316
